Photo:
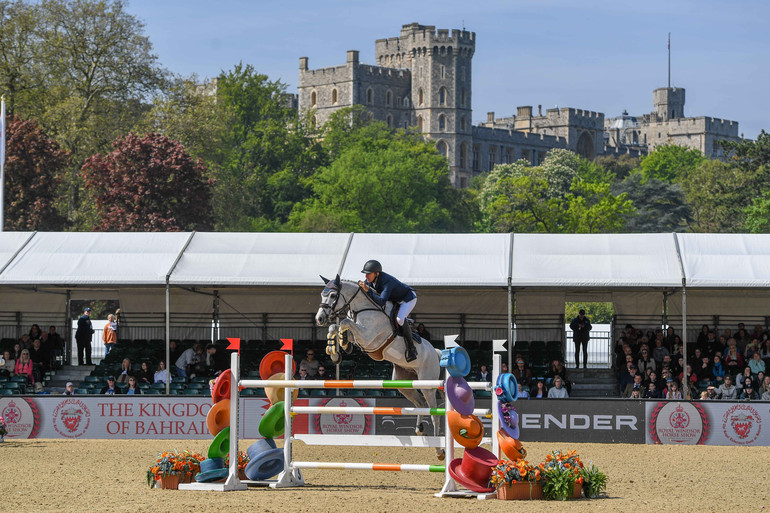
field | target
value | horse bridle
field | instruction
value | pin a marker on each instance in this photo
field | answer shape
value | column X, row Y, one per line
column 340, row 312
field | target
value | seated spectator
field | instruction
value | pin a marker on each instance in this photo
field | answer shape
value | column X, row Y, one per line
column 484, row 374
column 144, row 375
column 125, row 372
column 711, row 393
column 751, row 348
column 111, row 388
column 310, row 364
column 34, row 332
column 8, row 363
column 717, row 370
column 40, row 356
column 653, row 392
column 557, row 369
column 703, row 338
column 659, row 351
column 16, row 353
column 758, row 333
column 69, row 389
column 671, row 337
column 322, row 373
column 162, row 375
column 652, row 377
column 503, row 368
column 741, row 336
column 748, row 393
column 659, row 335
column 742, row 377
column 557, row 391
column 24, row 366
column 174, row 350
column 764, row 384
column 756, row 364
column 25, row 341
column 691, row 380
column 766, row 395
column 628, row 376
column 636, row 394
column 539, row 391
column 133, row 387
column 672, row 391
column 302, row 374
column 703, row 369
column 727, row 390
column 719, row 347
column 646, row 361
column 523, row 392
column 635, row 385
column 189, row 359
column 522, row 373
column 764, row 353
column 424, row 334
column 216, row 362
column 55, row 342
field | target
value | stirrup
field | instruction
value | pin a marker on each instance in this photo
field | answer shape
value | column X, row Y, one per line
column 410, row 356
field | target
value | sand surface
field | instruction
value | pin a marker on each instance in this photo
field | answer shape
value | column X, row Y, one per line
column 105, row 476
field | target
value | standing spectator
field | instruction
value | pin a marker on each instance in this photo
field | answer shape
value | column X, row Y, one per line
column 310, row 364
column 111, row 388
column 188, row 359
column 125, row 371
column 522, row 373
column 83, row 337
column 581, row 334
column 539, row 391
column 424, row 334
column 24, row 366
column 162, row 375
column 109, row 335
column 174, row 351
column 68, row 389
column 727, row 390
column 55, row 341
column 558, row 391
column 484, row 374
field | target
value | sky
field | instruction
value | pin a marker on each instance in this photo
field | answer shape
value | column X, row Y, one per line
column 605, row 56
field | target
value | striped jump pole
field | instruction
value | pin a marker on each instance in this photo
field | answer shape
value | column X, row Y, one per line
column 397, row 467
column 357, row 383
column 378, row 410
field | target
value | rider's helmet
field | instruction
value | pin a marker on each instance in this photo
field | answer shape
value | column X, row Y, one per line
column 372, row 266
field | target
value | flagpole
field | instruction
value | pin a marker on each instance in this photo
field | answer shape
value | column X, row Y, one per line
column 2, row 162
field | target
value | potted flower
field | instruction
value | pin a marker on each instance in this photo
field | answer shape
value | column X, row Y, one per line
column 563, row 480
column 3, row 429
column 243, row 460
column 172, row 468
column 594, row 481
column 517, row 480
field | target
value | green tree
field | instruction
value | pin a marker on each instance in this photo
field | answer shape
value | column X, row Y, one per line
column 718, row 193
column 597, row 313
column 670, row 163
column 749, row 154
column 758, row 214
column 33, row 162
column 618, row 166
column 22, row 52
column 382, row 181
column 660, row 206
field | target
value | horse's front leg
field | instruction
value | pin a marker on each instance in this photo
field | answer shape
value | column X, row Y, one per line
column 360, row 333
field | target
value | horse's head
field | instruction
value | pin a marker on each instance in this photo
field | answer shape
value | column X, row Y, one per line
column 329, row 297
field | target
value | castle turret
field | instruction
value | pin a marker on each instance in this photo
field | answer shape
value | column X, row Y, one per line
column 669, row 103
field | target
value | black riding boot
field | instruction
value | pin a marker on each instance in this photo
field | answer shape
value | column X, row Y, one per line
column 411, row 353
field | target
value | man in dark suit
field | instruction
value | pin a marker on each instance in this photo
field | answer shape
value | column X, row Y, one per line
column 83, row 337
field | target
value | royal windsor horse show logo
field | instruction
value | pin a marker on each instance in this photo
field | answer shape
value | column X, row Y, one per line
column 71, row 418
column 342, row 423
column 742, row 424
column 22, row 417
column 679, row 423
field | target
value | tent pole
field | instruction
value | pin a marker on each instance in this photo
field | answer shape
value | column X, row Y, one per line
column 511, row 340
column 67, row 353
column 168, row 341
column 686, row 384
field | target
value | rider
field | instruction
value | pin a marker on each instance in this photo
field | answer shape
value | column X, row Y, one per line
column 383, row 287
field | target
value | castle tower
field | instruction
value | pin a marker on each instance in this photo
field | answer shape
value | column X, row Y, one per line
column 441, row 71
column 669, row 103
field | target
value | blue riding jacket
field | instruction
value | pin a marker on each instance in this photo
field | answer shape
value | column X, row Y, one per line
column 388, row 288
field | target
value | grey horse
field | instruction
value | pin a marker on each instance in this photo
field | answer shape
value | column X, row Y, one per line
column 373, row 334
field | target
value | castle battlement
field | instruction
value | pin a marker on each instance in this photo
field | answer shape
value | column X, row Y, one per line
column 331, row 70
column 428, row 35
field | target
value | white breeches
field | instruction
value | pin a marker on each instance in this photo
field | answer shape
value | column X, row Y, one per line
column 404, row 309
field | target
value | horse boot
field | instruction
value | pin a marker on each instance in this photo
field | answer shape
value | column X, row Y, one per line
column 411, row 353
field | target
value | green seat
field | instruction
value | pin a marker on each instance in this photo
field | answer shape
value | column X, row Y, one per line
column 191, row 391
column 354, row 392
column 93, row 379
column 9, row 391
column 12, row 385
column 152, row 391
column 482, row 394
column 158, row 386
column 83, row 391
column 177, row 386
column 200, row 379
column 20, row 379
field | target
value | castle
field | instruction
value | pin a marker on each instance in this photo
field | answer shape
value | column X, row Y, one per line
column 423, row 79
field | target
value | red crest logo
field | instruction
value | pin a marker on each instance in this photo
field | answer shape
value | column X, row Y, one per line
column 679, row 418
column 71, row 418
column 12, row 413
column 742, row 424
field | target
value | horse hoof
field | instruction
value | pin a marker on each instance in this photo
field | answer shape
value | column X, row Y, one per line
column 420, row 430
column 329, row 350
column 441, row 455
column 336, row 359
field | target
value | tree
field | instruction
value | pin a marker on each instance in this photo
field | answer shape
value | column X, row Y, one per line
column 618, row 166
column 758, row 214
column 749, row 154
column 33, row 163
column 660, row 206
column 22, row 51
column 149, row 184
column 383, row 181
column 670, row 163
column 269, row 155
column 717, row 193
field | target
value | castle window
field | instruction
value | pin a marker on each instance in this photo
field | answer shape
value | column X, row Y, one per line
column 462, row 98
column 449, row 50
column 312, row 99
column 442, row 96
column 463, row 182
column 462, row 123
column 421, row 97
column 491, row 158
column 462, row 73
column 369, row 96
column 441, row 123
column 419, row 123
column 388, row 98
column 475, row 157
column 443, row 71
column 463, row 156
column 334, row 97
column 389, row 119
column 406, row 125
column 406, row 102
column 508, row 156
column 442, row 148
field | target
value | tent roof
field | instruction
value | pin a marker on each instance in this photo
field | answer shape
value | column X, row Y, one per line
column 10, row 243
column 86, row 258
column 595, row 260
column 725, row 260
column 465, row 260
column 249, row 259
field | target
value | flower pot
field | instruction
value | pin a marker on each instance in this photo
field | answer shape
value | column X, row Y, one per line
column 577, row 491
column 170, row 482
column 242, row 474
column 522, row 491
